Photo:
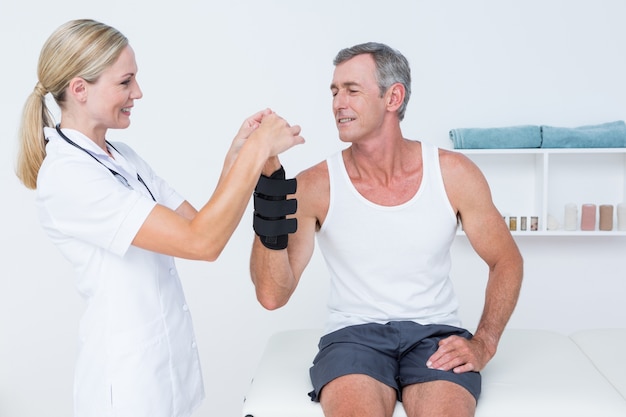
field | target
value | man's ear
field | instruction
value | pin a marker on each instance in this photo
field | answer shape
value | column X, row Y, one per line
column 78, row 89
column 395, row 96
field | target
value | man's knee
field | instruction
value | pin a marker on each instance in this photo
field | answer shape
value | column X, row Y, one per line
column 357, row 395
column 438, row 398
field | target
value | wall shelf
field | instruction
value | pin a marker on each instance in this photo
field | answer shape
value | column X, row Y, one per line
column 541, row 181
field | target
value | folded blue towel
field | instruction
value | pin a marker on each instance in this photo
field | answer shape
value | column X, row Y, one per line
column 606, row 135
column 525, row 136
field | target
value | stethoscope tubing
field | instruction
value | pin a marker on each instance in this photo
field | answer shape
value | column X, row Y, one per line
column 116, row 174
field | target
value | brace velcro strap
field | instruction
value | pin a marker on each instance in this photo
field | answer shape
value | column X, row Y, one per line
column 274, row 208
column 275, row 242
column 273, row 228
column 275, row 186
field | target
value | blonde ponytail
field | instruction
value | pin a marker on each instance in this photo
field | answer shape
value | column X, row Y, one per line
column 32, row 146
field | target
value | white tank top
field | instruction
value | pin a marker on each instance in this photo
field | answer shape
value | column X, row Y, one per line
column 389, row 263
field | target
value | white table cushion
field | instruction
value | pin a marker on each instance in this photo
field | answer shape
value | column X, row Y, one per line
column 606, row 348
column 535, row 373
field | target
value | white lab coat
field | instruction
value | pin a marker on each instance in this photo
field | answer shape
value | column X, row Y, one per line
column 137, row 350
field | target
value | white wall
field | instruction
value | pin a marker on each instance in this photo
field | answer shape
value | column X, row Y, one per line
column 205, row 66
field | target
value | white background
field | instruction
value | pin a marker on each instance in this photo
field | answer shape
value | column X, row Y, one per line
column 205, row 66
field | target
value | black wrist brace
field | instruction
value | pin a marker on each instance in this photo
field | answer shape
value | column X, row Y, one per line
column 271, row 208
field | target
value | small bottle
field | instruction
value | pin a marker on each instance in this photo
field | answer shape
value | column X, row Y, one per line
column 513, row 223
column 534, row 223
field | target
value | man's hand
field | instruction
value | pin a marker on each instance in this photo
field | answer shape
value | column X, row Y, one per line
column 461, row 355
column 272, row 164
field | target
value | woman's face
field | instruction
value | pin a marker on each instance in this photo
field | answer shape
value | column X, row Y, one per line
column 110, row 99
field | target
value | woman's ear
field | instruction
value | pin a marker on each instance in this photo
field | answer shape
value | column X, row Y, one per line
column 78, row 89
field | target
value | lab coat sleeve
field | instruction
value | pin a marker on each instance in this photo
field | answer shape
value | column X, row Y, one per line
column 80, row 199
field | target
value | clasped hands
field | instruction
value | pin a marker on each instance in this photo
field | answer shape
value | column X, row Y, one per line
column 272, row 128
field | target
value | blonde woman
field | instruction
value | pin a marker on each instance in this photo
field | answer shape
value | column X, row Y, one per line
column 121, row 225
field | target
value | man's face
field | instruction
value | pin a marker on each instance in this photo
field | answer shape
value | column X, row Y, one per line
column 358, row 106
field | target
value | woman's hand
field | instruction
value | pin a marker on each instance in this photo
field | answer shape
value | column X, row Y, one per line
column 276, row 134
column 272, row 131
column 247, row 127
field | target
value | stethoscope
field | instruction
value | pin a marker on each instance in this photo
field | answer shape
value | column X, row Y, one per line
column 116, row 174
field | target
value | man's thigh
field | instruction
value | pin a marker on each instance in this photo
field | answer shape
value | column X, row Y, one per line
column 357, row 395
column 438, row 398
column 356, row 350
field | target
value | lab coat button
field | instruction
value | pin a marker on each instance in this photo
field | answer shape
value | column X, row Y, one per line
column 193, row 345
column 185, row 307
column 172, row 271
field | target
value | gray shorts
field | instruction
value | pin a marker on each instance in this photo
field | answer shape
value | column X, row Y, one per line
column 394, row 354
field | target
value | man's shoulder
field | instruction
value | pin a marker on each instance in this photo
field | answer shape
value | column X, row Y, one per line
column 452, row 158
column 314, row 175
column 313, row 192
